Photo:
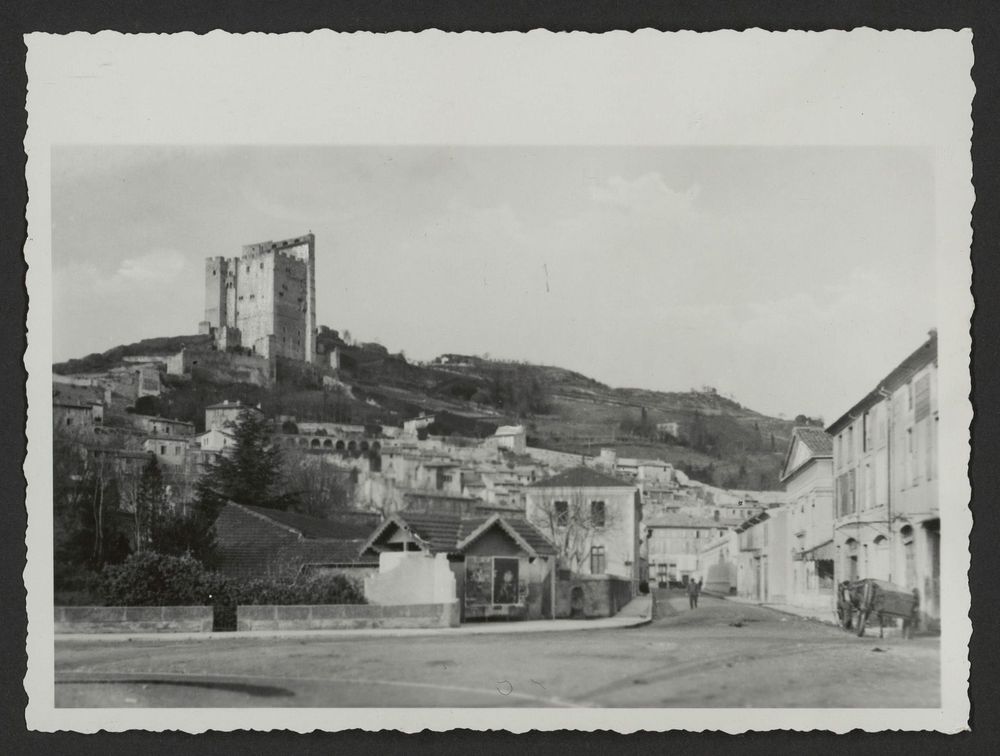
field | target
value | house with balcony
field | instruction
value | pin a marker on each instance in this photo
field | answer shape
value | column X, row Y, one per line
column 886, row 519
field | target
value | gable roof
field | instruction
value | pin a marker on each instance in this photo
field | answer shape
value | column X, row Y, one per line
column 818, row 445
column 452, row 533
column 582, row 477
column 523, row 533
column 817, row 439
column 342, row 525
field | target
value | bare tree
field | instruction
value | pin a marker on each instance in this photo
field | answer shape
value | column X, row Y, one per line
column 572, row 523
column 320, row 487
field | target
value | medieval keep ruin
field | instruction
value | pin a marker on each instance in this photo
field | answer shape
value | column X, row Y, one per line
column 265, row 299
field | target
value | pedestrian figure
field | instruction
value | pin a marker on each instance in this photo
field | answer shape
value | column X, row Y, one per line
column 693, row 589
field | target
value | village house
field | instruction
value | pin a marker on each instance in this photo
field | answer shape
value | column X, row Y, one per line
column 807, row 474
column 510, row 437
column 496, row 566
column 215, row 440
column 223, row 416
column 161, row 425
column 168, row 450
column 887, row 522
column 593, row 518
column 673, row 543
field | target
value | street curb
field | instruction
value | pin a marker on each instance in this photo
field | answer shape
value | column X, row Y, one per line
column 606, row 623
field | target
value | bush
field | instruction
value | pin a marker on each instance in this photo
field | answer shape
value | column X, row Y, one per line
column 152, row 579
column 643, row 587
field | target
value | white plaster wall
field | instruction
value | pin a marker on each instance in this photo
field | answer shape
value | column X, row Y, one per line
column 409, row 577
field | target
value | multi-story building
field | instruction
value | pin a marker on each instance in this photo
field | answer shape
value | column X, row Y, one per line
column 593, row 518
column 887, row 523
column 265, row 299
column 673, row 543
column 807, row 474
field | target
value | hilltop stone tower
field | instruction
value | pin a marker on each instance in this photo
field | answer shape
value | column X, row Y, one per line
column 265, row 299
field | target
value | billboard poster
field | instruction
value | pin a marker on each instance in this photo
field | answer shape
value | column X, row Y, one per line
column 478, row 581
column 505, row 580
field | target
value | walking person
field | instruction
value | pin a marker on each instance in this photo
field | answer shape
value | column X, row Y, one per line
column 693, row 589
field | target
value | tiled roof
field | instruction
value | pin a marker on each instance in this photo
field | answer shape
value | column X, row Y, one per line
column 342, row 525
column 318, row 552
column 443, row 532
column 818, row 440
column 439, row 531
column 582, row 477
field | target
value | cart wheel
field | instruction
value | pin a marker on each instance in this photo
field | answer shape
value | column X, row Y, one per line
column 862, row 621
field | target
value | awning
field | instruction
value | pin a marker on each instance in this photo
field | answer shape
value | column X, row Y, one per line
column 817, row 553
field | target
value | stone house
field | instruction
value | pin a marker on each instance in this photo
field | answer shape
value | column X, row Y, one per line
column 168, row 450
column 161, row 425
column 220, row 416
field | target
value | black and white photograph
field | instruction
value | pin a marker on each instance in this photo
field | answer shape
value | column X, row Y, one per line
column 624, row 377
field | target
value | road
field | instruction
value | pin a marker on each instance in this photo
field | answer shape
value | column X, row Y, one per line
column 719, row 655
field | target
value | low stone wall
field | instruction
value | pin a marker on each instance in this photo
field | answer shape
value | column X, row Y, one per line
column 592, row 595
column 346, row 616
column 133, row 619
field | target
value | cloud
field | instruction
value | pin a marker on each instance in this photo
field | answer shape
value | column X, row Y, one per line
column 646, row 192
column 160, row 266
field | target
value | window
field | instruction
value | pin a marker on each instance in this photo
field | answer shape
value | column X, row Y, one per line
column 163, row 449
column 69, row 421
column 598, row 560
column 597, row 514
column 922, row 398
column 911, row 461
column 850, row 443
column 866, row 432
column 562, row 513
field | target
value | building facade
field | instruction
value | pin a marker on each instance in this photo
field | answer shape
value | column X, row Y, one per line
column 265, row 299
column 807, row 474
column 593, row 518
column 887, row 522
column 673, row 544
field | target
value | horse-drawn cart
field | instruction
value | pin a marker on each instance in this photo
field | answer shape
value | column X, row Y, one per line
column 858, row 600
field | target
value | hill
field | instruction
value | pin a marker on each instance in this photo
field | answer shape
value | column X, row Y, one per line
column 717, row 441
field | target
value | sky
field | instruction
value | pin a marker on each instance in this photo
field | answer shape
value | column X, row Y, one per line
column 792, row 278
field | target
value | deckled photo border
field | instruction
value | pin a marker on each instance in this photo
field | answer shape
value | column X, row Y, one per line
column 673, row 88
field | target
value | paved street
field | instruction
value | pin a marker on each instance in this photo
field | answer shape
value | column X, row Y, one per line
column 720, row 655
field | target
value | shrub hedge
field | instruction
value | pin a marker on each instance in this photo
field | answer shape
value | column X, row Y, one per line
column 152, row 579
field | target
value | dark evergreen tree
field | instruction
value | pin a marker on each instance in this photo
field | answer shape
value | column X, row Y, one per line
column 250, row 474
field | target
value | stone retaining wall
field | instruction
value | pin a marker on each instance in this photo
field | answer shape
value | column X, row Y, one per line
column 133, row 619
column 346, row 616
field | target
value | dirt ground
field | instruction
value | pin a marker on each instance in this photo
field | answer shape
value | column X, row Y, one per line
column 719, row 655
